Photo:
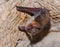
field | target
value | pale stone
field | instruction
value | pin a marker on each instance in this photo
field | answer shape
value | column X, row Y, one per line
column 10, row 19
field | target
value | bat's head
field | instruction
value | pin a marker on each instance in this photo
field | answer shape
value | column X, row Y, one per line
column 39, row 28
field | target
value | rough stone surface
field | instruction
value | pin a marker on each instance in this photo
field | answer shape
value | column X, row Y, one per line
column 10, row 19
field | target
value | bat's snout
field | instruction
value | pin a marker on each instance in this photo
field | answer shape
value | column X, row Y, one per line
column 21, row 28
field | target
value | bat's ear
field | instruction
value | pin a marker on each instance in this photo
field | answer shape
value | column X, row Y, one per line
column 21, row 28
column 25, row 9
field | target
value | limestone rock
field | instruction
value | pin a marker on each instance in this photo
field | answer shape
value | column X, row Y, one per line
column 10, row 19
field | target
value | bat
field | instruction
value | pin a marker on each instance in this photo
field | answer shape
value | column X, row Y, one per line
column 39, row 27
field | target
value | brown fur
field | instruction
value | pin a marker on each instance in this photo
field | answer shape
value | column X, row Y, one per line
column 39, row 28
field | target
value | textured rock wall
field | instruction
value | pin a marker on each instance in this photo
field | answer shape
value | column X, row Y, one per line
column 10, row 19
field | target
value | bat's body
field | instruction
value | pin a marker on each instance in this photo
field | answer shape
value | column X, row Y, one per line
column 40, row 26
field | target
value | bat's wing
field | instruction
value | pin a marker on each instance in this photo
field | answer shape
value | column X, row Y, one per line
column 28, row 10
